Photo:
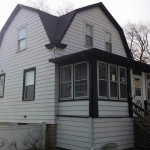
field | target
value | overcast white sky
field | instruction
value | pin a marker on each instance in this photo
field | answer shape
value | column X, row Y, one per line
column 122, row 10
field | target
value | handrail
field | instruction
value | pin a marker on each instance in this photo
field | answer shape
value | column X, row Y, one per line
column 139, row 111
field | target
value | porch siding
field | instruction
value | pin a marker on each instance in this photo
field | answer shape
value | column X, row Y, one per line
column 73, row 133
column 113, row 109
column 113, row 130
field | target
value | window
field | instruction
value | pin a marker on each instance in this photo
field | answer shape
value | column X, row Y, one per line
column 112, row 81
column 113, row 85
column 137, row 84
column 123, row 82
column 102, row 75
column 108, row 44
column 66, row 82
column 29, row 84
column 22, row 39
column 148, row 86
column 74, row 81
column 2, row 84
column 88, row 35
column 80, row 80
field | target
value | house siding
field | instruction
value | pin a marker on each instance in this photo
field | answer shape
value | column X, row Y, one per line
column 73, row 133
column 74, row 108
column 13, row 63
column 113, row 130
column 113, row 109
column 74, row 37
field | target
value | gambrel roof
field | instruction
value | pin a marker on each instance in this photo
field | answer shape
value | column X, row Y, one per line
column 56, row 27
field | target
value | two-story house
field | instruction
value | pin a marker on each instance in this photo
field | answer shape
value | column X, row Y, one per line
column 74, row 72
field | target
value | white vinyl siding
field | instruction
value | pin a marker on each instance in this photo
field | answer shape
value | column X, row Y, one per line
column 112, row 109
column 113, row 130
column 74, row 108
column 12, row 108
column 73, row 133
column 75, row 36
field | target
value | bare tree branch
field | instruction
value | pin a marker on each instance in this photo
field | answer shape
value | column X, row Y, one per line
column 138, row 38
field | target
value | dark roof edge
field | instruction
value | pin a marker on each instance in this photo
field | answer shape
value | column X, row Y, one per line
column 57, row 45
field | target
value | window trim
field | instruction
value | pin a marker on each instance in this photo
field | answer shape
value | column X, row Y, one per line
column 81, row 97
column 3, row 74
column 66, row 98
column 102, row 97
column 18, row 41
column 24, row 75
column 90, row 24
column 123, row 99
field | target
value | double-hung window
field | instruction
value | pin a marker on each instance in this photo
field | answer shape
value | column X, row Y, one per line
column 22, row 39
column 113, row 78
column 29, row 84
column 123, row 82
column 66, row 82
column 88, row 35
column 102, row 79
column 74, row 81
column 108, row 42
column 2, row 84
column 80, row 80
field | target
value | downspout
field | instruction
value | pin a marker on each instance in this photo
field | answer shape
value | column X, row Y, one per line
column 91, row 132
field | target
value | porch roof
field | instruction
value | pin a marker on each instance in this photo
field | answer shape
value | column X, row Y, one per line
column 97, row 54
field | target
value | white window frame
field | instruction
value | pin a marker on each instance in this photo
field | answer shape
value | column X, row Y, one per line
column 102, row 97
column 113, row 98
column 107, row 31
column 82, row 97
column 90, row 24
column 18, row 40
column 66, row 98
column 147, row 87
column 121, row 82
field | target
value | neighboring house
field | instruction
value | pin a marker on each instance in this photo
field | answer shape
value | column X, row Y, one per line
column 74, row 72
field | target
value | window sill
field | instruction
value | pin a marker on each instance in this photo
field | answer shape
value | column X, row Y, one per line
column 73, row 100
column 28, row 100
column 19, row 51
column 112, row 100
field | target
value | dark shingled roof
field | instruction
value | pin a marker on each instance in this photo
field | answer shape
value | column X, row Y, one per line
column 56, row 27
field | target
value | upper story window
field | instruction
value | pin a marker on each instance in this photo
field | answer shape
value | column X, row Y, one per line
column 29, row 84
column 22, row 39
column 74, row 81
column 88, row 35
column 108, row 42
column 2, row 84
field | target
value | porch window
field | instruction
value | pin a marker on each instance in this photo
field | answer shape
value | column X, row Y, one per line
column 102, row 75
column 80, row 80
column 74, row 81
column 148, row 86
column 123, row 82
column 66, row 82
column 113, row 78
column 88, row 35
